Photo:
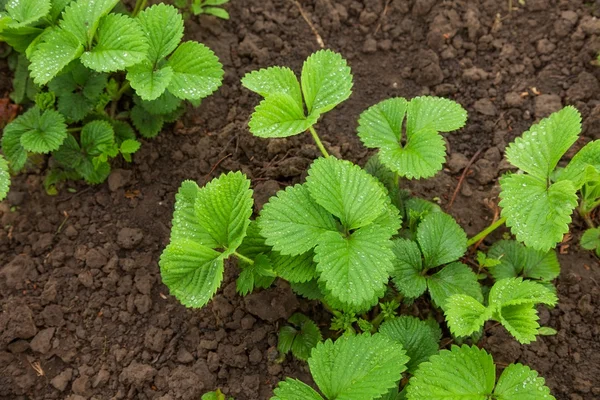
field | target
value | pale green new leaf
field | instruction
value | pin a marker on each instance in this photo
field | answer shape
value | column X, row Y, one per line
column 56, row 50
column 163, row 26
column 357, row 267
column 26, row 12
column 434, row 113
column 441, row 239
column 4, row 178
column 186, row 224
column 292, row 222
column 299, row 268
column 465, row 315
column 520, row 382
column 278, row 116
column 120, row 43
column 274, row 80
column 455, row 278
column 257, row 275
column 224, row 207
column 521, row 321
column 357, row 367
column 406, row 275
column 589, row 155
column 462, row 373
column 346, row 191
column 417, row 337
column 518, row 260
column 515, row 291
column 538, row 215
column 39, row 132
column 538, row 150
column 129, row 146
column 197, row 72
column 81, row 17
column 326, row 81
column 293, row 389
column 149, row 82
column 191, row 271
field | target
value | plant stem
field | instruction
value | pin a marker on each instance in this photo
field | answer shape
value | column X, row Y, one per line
column 486, row 231
column 318, row 141
column 243, row 258
column 139, row 6
column 77, row 129
column 122, row 90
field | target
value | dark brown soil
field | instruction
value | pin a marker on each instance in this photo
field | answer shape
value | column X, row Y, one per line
column 80, row 288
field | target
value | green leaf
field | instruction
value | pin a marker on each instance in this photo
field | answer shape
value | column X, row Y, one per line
column 81, row 18
column 4, row 178
column 149, row 82
column 462, row 373
column 163, row 26
column 123, row 131
column 56, row 50
column 355, row 268
column 97, row 136
column 380, row 126
column 74, row 106
column 191, row 271
column 26, row 12
column 299, row 268
column 309, row 290
column 217, row 12
column 455, row 278
column 120, row 43
column 129, row 146
column 518, row 260
column 588, row 156
column 12, row 148
column 293, row 389
column 408, row 266
column 538, row 215
column 299, row 339
column 326, row 81
column 357, row 367
column 147, row 124
column 434, row 113
column 441, row 239
column 520, row 382
column 72, row 156
column 521, row 321
column 257, row 275
column 214, row 395
column 346, row 191
column 38, row 132
column 273, row 81
column 163, row 105
column 278, row 116
column 253, row 244
column 465, row 315
column 538, row 150
column 386, row 176
column 23, row 86
column 197, row 72
column 515, row 291
column 57, row 8
column 417, row 337
column 590, row 240
column 186, row 224
column 292, row 222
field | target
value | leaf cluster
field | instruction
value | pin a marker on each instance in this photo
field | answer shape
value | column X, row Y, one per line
column 209, row 7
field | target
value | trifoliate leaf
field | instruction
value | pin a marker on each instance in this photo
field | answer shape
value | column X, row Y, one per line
column 434, row 113
column 274, row 80
column 299, row 268
column 149, row 82
column 515, row 291
column 72, row 156
column 260, row 274
column 120, row 43
column 292, row 222
column 514, row 260
column 186, row 224
column 357, row 367
column 520, row 382
column 441, row 239
column 538, row 215
column 197, row 72
column 81, row 18
column 326, row 81
column 293, row 389
column 278, row 116
column 407, row 275
column 26, row 12
column 455, row 278
column 149, row 125
column 163, row 27
column 4, row 178
column 465, row 315
column 462, row 373
column 346, row 191
column 300, row 338
column 590, row 240
column 589, row 155
column 417, row 337
column 538, row 150
column 57, row 49
column 521, row 321
column 38, row 132
column 356, row 267
column 191, row 271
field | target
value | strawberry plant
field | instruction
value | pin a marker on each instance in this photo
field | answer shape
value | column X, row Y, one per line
column 352, row 239
column 197, row 7
column 78, row 59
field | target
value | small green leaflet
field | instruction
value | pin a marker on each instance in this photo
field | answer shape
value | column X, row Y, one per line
column 537, row 211
column 56, row 50
column 26, row 12
column 163, row 27
column 588, row 156
column 441, row 239
column 300, row 337
column 424, row 150
column 149, row 82
column 38, row 132
column 591, row 239
column 514, row 260
column 293, row 389
column 469, row 373
column 81, row 18
column 260, row 274
column 149, row 125
column 4, row 178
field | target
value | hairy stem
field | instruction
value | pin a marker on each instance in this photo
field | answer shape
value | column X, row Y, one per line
column 318, row 142
column 139, row 6
column 77, row 129
column 481, row 235
column 586, row 217
column 243, row 258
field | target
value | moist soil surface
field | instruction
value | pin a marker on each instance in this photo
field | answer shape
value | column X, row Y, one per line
column 84, row 312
